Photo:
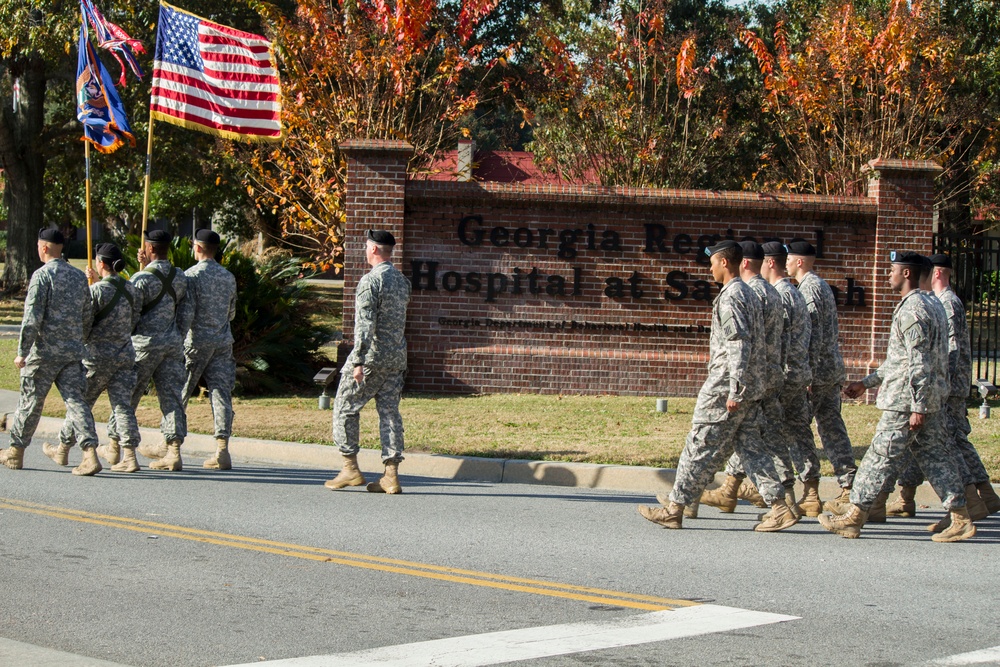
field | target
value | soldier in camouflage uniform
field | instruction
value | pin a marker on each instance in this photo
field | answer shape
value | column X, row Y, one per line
column 375, row 367
column 726, row 413
column 827, row 365
column 207, row 310
column 110, row 358
column 950, row 317
column 57, row 317
column 771, row 414
column 911, row 397
column 159, row 348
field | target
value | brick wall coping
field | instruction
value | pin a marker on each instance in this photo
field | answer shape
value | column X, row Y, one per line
column 376, row 146
column 819, row 206
column 916, row 166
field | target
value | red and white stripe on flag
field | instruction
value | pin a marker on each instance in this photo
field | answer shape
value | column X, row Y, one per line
column 216, row 79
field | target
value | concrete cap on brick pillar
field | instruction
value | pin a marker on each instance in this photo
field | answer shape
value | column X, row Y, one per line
column 882, row 165
column 376, row 146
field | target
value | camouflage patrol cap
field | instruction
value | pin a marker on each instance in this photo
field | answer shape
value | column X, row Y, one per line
column 52, row 235
column 774, row 249
column 944, row 261
column 157, row 236
column 801, row 248
column 752, row 250
column 907, row 257
column 723, row 245
column 379, row 237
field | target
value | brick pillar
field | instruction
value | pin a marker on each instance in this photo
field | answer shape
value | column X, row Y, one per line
column 376, row 185
column 904, row 192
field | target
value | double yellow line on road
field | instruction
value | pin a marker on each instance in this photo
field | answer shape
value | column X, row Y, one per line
column 427, row 571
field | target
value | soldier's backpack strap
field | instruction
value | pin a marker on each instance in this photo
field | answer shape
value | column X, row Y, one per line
column 120, row 291
column 168, row 288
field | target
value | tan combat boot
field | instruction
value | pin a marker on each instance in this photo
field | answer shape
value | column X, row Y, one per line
column 810, row 504
column 157, row 451
column 690, row 511
column 171, row 461
column 128, row 462
column 671, row 516
column 959, row 528
column 388, row 482
column 793, row 506
column 842, row 500
column 723, row 497
column 904, row 504
column 90, row 465
column 848, row 524
column 221, row 461
column 989, row 496
column 58, row 453
column 111, row 452
column 876, row 514
column 779, row 518
column 749, row 493
column 974, row 504
column 12, row 457
column 349, row 474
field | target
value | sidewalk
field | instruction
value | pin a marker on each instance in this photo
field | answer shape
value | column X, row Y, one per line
column 636, row 479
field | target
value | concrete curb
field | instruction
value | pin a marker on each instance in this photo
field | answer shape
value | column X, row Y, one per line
column 636, row 479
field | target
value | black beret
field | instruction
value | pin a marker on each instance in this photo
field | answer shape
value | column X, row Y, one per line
column 941, row 260
column 157, row 236
column 52, row 235
column 802, row 248
column 380, row 237
column 774, row 249
column 723, row 245
column 752, row 250
column 207, row 236
column 108, row 252
column 906, row 257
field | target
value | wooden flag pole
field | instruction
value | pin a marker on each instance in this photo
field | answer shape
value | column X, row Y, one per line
column 145, row 194
column 90, row 240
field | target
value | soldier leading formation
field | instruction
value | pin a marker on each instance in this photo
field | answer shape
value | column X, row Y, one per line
column 162, row 325
column 775, row 365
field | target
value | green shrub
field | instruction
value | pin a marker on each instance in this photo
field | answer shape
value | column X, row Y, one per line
column 276, row 345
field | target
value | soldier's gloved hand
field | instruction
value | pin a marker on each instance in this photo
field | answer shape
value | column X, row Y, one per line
column 854, row 389
column 19, row 362
column 916, row 421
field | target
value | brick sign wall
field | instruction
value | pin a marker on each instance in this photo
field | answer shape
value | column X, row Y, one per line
column 577, row 289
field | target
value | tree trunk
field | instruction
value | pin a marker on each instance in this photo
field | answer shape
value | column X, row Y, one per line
column 24, row 168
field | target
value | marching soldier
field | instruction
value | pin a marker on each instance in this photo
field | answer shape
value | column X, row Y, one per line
column 828, row 373
column 911, row 398
column 50, row 350
column 726, row 413
column 734, row 487
column 109, row 360
column 207, row 310
column 159, row 348
column 375, row 367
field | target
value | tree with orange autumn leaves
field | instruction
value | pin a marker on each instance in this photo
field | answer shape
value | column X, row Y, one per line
column 377, row 69
column 862, row 85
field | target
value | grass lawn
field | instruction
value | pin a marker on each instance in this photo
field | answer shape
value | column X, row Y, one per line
column 594, row 429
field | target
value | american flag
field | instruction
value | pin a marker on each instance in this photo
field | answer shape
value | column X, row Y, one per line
column 215, row 79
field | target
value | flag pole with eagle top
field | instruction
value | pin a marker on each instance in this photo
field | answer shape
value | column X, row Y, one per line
column 214, row 79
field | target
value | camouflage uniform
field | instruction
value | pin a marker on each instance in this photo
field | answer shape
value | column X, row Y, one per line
column 159, row 348
column 737, row 370
column 57, row 317
column 207, row 310
column 795, row 431
column 951, row 315
column 771, row 414
column 828, row 376
column 380, row 347
column 110, row 357
column 910, row 379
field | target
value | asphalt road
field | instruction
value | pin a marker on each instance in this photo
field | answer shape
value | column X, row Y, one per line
column 256, row 564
